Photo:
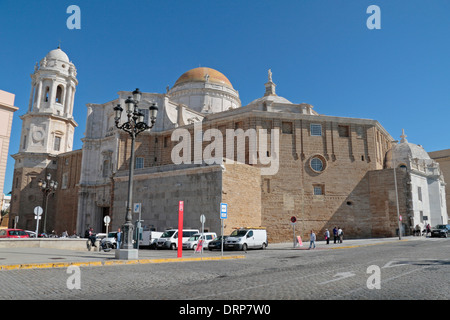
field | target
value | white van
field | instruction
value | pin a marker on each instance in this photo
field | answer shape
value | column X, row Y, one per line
column 192, row 242
column 169, row 239
column 149, row 238
column 247, row 238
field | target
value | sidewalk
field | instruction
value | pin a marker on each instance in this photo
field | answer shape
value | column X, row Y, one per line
column 346, row 244
column 35, row 258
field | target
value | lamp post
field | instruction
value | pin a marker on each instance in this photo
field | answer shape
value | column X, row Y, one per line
column 394, row 164
column 47, row 187
column 133, row 126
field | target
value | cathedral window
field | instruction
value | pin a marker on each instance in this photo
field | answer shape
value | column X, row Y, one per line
column 65, row 179
column 106, row 167
column 139, row 163
column 317, row 163
column 57, row 144
column 59, row 93
column 166, row 141
column 319, row 189
column 286, row 127
column 316, row 129
column 344, row 131
column 47, row 90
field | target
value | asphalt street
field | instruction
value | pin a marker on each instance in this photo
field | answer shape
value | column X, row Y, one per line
column 413, row 269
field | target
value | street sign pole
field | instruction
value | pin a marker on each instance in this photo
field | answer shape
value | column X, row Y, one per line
column 107, row 220
column 223, row 216
column 37, row 212
column 202, row 220
column 293, row 221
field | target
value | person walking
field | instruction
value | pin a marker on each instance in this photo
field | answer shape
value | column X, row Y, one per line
column 312, row 240
column 340, row 234
column 327, row 236
column 335, row 234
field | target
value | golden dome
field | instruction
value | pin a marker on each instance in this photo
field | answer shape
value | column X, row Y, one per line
column 202, row 74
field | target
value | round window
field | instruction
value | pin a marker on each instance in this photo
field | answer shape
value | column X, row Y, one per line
column 317, row 163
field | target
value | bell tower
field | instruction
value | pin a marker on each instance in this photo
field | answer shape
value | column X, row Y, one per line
column 48, row 128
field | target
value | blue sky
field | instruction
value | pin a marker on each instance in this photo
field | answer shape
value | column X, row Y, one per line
column 320, row 52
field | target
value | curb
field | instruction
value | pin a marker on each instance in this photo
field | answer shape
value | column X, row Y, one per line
column 367, row 244
column 110, row 263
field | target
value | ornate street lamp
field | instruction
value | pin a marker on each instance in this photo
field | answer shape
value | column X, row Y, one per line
column 133, row 126
column 47, row 187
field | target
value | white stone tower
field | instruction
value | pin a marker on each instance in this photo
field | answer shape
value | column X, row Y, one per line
column 47, row 130
column 48, row 126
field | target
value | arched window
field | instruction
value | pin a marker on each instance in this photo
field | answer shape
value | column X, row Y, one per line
column 59, row 93
column 106, row 167
column 47, row 91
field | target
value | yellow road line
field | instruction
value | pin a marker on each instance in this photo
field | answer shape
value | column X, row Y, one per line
column 111, row 262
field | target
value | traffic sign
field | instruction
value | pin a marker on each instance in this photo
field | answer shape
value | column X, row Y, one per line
column 137, row 208
column 223, row 211
column 106, row 219
column 202, row 218
column 38, row 211
column 293, row 219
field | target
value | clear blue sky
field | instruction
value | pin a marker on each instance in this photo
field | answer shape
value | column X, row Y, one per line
column 320, row 52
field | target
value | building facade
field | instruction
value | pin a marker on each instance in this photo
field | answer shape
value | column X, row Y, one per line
column 7, row 110
column 269, row 160
column 443, row 158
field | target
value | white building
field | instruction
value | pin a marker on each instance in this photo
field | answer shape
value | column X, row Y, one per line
column 426, row 180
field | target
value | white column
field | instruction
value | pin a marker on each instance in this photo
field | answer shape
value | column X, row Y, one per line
column 39, row 97
column 30, row 103
column 67, row 100
column 72, row 100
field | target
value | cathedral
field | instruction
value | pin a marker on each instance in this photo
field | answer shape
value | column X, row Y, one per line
column 269, row 161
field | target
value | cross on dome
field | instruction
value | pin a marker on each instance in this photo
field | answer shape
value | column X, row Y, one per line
column 403, row 136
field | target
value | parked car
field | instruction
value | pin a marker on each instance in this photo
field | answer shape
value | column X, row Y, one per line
column 192, row 242
column 216, row 244
column 169, row 239
column 441, row 230
column 13, row 233
column 247, row 238
column 31, row 234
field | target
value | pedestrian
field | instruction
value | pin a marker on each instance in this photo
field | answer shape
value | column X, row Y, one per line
column 340, row 234
column 327, row 236
column 312, row 240
column 92, row 236
column 118, row 238
column 428, row 229
column 335, row 234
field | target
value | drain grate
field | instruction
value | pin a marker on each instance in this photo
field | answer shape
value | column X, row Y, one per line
column 57, row 258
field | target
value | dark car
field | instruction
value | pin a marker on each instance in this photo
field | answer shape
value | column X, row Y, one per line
column 441, row 230
column 216, row 244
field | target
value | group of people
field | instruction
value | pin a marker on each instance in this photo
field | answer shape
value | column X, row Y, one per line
column 89, row 234
column 338, row 235
column 419, row 232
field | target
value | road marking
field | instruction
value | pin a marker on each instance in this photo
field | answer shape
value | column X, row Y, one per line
column 340, row 276
column 393, row 263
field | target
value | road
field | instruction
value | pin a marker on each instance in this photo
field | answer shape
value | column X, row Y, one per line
column 405, row 270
